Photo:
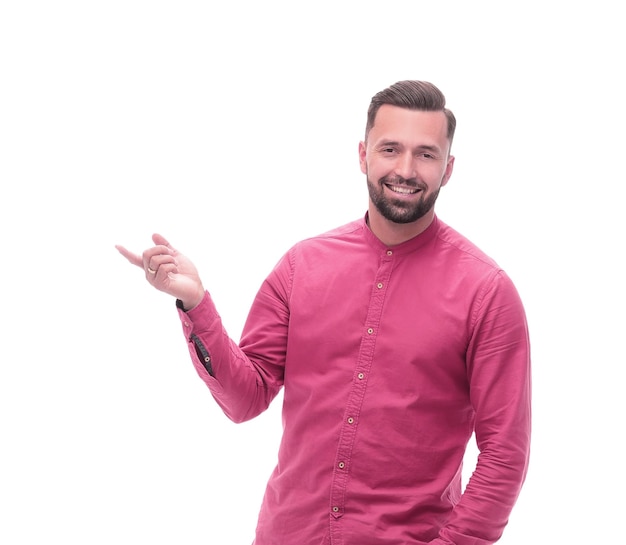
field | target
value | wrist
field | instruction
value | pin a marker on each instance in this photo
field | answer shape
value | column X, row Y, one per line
column 190, row 303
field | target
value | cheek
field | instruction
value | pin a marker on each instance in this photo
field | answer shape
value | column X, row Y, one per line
column 435, row 176
column 375, row 168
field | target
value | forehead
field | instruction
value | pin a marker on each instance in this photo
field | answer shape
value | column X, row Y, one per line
column 410, row 126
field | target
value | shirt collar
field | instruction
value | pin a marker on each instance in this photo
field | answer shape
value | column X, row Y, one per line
column 406, row 247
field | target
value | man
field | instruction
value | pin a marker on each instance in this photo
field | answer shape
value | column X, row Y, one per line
column 395, row 338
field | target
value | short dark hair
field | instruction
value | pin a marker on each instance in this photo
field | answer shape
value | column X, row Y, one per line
column 414, row 95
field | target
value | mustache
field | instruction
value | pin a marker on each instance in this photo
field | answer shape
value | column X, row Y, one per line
column 399, row 180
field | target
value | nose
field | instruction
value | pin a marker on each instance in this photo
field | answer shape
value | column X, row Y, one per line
column 405, row 165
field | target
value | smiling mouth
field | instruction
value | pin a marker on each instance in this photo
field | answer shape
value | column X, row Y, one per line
column 403, row 189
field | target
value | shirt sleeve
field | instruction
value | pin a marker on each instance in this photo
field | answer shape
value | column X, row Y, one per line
column 243, row 377
column 499, row 373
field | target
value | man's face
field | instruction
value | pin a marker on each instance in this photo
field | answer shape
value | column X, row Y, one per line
column 406, row 160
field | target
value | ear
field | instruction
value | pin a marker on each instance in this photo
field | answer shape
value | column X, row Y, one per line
column 362, row 157
column 448, row 172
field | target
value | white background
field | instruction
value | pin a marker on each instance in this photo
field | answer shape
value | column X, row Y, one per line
column 232, row 129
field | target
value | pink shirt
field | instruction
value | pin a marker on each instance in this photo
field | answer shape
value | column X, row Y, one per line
column 390, row 358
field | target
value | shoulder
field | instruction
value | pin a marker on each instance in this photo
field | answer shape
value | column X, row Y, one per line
column 461, row 259
column 353, row 228
column 324, row 247
column 340, row 237
column 489, row 287
column 453, row 242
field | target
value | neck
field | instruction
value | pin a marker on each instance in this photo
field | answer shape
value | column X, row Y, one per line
column 392, row 234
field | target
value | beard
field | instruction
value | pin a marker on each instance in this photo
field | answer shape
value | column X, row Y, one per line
column 399, row 210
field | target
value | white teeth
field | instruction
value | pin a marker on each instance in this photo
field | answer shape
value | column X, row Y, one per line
column 403, row 190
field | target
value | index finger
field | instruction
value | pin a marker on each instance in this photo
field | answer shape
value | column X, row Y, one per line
column 133, row 258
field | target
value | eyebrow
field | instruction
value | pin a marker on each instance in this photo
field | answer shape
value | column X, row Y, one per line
column 421, row 147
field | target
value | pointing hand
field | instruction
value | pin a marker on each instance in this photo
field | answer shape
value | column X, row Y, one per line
column 169, row 271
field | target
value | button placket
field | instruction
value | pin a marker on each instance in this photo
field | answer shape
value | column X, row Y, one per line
column 349, row 429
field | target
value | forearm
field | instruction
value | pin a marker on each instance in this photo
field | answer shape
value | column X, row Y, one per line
column 482, row 513
column 230, row 375
column 498, row 361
